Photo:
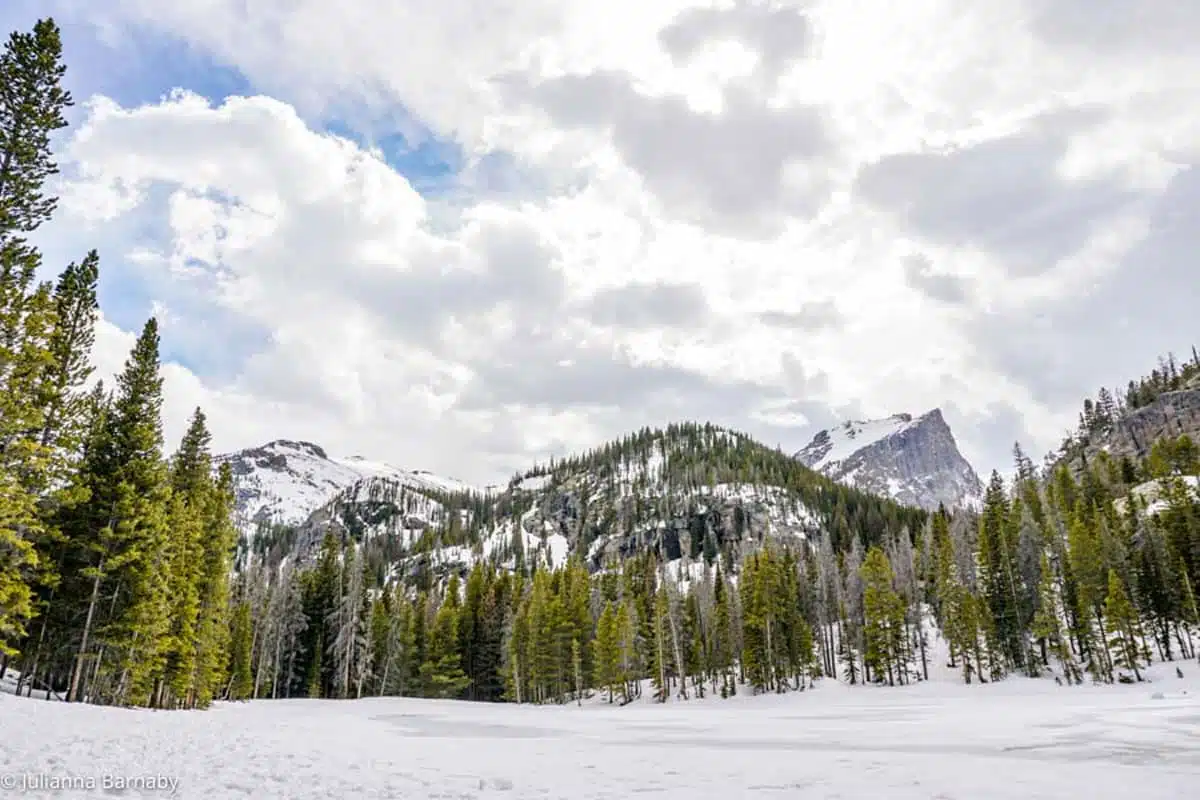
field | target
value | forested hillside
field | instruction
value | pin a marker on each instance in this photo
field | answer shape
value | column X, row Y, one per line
column 114, row 562
column 690, row 489
column 1086, row 578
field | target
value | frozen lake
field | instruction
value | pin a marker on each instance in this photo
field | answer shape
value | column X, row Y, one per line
column 1018, row 739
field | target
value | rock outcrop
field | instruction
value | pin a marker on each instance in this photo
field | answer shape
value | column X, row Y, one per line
column 914, row 461
column 1169, row 416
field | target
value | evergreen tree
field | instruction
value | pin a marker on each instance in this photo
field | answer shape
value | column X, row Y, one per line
column 441, row 672
column 608, row 655
column 1123, row 622
column 32, row 106
column 241, row 634
column 884, row 617
column 212, row 624
column 1047, row 626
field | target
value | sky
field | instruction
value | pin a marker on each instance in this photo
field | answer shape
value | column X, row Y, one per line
column 467, row 235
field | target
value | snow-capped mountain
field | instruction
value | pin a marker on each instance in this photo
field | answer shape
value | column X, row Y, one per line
column 914, row 461
column 690, row 494
column 285, row 481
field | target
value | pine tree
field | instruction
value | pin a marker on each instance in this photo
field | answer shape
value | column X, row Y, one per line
column 1123, row 623
column 660, row 654
column 1000, row 582
column 884, row 613
column 851, row 644
column 608, row 656
column 627, row 647
column 121, row 532
column 1087, row 566
column 723, row 646
column 32, row 106
column 212, row 625
column 441, row 672
column 60, row 392
column 190, row 485
column 1047, row 627
column 241, row 634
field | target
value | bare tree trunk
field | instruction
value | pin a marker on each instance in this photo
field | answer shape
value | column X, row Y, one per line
column 921, row 642
column 770, row 658
column 680, row 665
column 77, row 670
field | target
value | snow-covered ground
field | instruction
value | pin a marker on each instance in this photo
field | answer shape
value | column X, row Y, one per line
column 1019, row 739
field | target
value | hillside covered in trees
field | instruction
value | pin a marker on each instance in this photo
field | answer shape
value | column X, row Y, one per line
column 693, row 490
column 114, row 562
column 1082, row 578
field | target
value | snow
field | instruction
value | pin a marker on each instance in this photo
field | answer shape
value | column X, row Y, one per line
column 418, row 479
column 289, row 480
column 1015, row 739
column 848, row 438
column 559, row 549
column 533, row 483
column 1150, row 492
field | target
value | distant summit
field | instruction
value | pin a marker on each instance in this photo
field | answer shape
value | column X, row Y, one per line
column 284, row 481
column 914, row 461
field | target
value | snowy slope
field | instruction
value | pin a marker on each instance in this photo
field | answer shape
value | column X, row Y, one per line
column 1012, row 740
column 603, row 509
column 285, row 481
column 1150, row 493
column 829, row 448
column 914, row 461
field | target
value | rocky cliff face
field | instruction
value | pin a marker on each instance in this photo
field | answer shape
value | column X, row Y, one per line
column 1171, row 415
column 914, row 461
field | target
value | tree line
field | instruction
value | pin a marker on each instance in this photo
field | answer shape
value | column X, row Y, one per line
column 1054, row 575
column 114, row 561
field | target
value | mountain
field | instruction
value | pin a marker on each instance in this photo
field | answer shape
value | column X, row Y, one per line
column 1125, row 425
column 1131, row 434
column 688, row 494
column 914, row 461
column 284, row 481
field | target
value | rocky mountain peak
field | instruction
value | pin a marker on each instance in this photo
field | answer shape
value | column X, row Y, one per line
column 285, row 480
column 913, row 460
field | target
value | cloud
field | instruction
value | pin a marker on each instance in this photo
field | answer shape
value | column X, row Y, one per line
column 771, row 215
column 735, row 169
column 946, row 288
column 1139, row 26
column 1066, row 350
column 777, row 34
column 809, row 317
column 655, row 305
column 1003, row 196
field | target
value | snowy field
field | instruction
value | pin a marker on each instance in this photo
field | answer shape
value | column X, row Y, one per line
column 1018, row 739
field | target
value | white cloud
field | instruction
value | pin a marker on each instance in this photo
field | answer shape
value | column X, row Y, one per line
column 846, row 212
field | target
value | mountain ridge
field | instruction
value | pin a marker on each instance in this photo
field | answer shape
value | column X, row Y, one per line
column 688, row 493
column 913, row 460
column 286, row 480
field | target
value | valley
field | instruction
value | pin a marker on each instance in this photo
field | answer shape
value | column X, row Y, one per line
column 466, row 237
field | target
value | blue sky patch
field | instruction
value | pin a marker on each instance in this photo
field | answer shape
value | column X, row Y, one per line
column 137, row 66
